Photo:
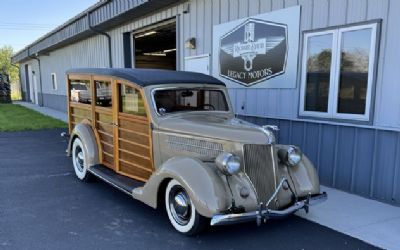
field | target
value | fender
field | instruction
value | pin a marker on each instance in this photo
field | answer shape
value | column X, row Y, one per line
column 202, row 182
column 85, row 133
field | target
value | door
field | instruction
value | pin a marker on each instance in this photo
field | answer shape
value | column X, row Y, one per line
column 132, row 128
column 103, row 119
column 35, row 89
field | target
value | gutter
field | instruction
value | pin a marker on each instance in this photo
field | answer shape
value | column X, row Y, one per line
column 40, row 77
column 100, row 32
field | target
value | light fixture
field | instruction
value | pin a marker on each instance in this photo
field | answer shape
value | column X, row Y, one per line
column 190, row 43
column 155, row 54
column 169, row 50
column 146, row 34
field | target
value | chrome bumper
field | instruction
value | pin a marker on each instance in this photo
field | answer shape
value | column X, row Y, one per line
column 264, row 214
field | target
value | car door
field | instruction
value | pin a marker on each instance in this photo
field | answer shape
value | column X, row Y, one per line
column 132, row 124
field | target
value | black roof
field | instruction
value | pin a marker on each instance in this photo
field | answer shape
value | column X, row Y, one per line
column 147, row 77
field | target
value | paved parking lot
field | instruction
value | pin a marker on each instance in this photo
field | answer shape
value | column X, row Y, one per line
column 43, row 206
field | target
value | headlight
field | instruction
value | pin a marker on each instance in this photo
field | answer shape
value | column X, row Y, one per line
column 228, row 163
column 291, row 156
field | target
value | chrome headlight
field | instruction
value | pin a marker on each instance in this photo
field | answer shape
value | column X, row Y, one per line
column 228, row 163
column 291, row 156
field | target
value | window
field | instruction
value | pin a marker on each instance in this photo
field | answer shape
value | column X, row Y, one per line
column 131, row 101
column 103, row 93
column 80, row 91
column 338, row 68
column 183, row 99
column 54, row 81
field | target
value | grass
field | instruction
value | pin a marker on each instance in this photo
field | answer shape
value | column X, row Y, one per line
column 18, row 118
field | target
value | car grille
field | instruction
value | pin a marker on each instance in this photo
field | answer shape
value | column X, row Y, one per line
column 259, row 166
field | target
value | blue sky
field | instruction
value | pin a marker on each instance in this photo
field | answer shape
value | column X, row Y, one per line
column 23, row 21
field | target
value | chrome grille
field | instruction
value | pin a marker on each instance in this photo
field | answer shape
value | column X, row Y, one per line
column 201, row 147
column 259, row 165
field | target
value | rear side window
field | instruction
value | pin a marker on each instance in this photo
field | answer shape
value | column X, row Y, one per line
column 103, row 93
column 80, row 91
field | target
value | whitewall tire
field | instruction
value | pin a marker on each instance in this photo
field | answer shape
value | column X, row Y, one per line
column 181, row 210
column 79, row 160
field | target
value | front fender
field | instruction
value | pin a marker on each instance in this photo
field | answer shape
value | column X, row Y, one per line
column 202, row 182
column 85, row 133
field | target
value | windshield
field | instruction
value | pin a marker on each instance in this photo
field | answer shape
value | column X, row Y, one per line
column 190, row 99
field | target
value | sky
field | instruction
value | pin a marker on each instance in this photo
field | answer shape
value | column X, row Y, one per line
column 24, row 21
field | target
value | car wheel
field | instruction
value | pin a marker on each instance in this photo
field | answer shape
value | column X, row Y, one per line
column 79, row 161
column 181, row 210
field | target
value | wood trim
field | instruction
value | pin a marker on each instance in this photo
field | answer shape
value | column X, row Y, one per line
column 134, row 143
column 149, row 117
column 137, row 166
column 102, row 78
column 77, row 77
column 93, row 104
column 134, row 132
column 115, row 108
column 135, row 154
column 105, row 133
column 133, row 118
column 106, row 143
column 103, row 110
column 69, row 106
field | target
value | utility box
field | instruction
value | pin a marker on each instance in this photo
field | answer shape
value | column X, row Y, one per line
column 5, row 90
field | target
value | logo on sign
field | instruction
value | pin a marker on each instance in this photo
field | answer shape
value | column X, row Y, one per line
column 253, row 52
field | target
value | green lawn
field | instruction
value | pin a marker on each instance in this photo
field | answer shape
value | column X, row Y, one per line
column 18, row 118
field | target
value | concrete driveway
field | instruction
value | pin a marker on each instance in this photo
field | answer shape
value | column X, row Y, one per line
column 43, row 206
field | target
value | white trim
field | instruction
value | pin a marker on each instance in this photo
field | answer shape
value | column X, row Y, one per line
column 335, row 74
column 54, row 84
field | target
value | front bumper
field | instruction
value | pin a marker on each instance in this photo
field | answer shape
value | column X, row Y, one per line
column 264, row 214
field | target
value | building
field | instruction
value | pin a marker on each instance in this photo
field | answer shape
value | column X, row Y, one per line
column 324, row 71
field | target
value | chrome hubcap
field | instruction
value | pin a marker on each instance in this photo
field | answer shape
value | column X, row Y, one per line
column 79, row 158
column 179, row 203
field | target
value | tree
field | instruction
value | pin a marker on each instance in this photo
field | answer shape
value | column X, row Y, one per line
column 6, row 53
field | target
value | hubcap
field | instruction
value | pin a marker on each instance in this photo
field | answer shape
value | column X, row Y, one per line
column 79, row 158
column 179, row 203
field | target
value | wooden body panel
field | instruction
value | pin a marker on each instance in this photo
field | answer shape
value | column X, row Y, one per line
column 124, row 140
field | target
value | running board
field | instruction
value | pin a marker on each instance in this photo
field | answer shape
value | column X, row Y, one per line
column 123, row 183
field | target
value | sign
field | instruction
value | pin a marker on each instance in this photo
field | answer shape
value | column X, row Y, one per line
column 260, row 51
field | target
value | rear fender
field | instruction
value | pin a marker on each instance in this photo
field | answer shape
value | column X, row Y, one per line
column 85, row 133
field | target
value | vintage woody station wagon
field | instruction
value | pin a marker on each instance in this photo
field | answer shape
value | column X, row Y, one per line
column 171, row 139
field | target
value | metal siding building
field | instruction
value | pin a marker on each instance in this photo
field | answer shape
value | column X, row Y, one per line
column 362, row 158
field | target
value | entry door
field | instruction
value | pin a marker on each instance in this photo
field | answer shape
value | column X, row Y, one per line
column 35, row 89
column 134, row 151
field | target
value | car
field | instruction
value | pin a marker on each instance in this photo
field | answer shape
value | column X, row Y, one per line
column 171, row 139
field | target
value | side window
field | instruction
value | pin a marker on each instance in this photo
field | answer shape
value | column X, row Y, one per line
column 80, row 91
column 131, row 101
column 338, row 68
column 54, row 81
column 103, row 93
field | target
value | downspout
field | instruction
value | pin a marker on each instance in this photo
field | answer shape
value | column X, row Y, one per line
column 40, row 77
column 100, row 32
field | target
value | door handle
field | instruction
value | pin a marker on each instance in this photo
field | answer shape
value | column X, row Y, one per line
column 114, row 124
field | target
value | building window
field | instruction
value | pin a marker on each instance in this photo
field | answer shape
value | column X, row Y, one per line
column 338, row 72
column 54, row 81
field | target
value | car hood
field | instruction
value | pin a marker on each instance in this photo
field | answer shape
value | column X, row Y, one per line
column 208, row 125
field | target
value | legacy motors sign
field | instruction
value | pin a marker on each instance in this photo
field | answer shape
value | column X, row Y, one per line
column 259, row 51
column 254, row 51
